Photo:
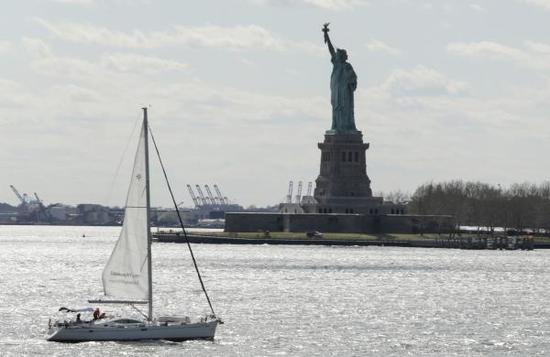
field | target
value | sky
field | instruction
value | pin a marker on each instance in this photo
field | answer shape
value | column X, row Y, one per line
column 238, row 93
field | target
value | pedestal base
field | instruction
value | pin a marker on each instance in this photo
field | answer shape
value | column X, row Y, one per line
column 343, row 185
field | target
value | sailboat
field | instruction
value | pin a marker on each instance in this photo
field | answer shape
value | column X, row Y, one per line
column 127, row 277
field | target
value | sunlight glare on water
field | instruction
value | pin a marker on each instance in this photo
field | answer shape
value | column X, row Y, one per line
column 287, row 300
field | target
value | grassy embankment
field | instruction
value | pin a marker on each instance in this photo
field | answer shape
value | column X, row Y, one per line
column 342, row 236
column 328, row 236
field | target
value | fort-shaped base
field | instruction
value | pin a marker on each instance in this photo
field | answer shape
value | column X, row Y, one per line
column 343, row 185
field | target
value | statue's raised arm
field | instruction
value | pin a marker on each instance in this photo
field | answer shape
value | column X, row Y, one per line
column 327, row 39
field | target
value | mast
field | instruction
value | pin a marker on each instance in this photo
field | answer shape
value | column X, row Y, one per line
column 148, row 205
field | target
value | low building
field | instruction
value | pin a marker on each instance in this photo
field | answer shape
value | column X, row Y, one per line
column 8, row 217
column 94, row 214
column 61, row 213
column 337, row 223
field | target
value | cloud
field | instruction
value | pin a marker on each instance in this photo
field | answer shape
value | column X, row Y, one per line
column 64, row 67
column 36, row 47
column 419, row 82
column 45, row 62
column 379, row 46
column 120, row 75
column 125, row 62
column 107, row 66
column 207, row 102
column 234, row 38
column 12, row 94
column 336, row 4
column 323, row 4
column 75, row 2
column 74, row 93
column 477, row 8
column 411, row 115
column 5, row 46
column 539, row 47
column 535, row 56
column 91, row 102
column 485, row 49
column 436, row 136
column 93, row 2
column 545, row 4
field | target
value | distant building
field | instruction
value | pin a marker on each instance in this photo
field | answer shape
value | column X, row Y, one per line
column 94, row 215
column 61, row 213
column 8, row 214
column 8, row 217
column 291, row 208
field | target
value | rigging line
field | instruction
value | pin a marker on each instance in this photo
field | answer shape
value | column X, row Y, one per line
column 138, row 310
column 181, row 223
column 121, row 160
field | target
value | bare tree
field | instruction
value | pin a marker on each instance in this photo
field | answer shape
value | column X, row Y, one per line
column 521, row 206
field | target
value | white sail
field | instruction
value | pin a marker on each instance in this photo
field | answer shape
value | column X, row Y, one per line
column 126, row 272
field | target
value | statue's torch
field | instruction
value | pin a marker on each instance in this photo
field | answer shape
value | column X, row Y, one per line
column 326, row 30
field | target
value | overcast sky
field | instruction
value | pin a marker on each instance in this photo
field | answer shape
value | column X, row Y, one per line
column 239, row 93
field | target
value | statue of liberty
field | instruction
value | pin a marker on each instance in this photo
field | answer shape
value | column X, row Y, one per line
column 343, row 83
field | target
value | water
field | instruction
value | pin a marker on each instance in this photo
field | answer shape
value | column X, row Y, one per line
column 288, row 300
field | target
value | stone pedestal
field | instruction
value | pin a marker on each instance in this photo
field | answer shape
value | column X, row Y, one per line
column 343, row 185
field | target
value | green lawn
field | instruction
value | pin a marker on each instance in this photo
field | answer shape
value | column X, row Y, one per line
column 339, row 236
column 330, row 236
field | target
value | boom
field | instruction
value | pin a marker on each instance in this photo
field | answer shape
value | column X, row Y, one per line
column 193, row 197
column 203, row 199
column 299, row 193
column 210, row 195
column 309, row 186
column 23, row 201
column 223, row 200
column 289, row 195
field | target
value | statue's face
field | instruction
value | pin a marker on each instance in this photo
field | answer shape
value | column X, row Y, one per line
column 341, row 55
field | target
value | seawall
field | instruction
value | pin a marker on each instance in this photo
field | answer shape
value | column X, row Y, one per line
column 465, row 243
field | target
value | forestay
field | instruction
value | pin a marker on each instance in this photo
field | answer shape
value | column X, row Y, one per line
column 126, row 272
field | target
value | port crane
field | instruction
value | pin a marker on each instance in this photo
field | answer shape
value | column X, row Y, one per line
column 203, row 199
column 290, row 189
column 221, row 198
column 39, row 201
column 32, row 206
column 299, row 193
column 19, row 196
column 193, row 197
column 214, row 203
column 212, row 198
column 309, row 187
column 43, row 209
column 24, row 198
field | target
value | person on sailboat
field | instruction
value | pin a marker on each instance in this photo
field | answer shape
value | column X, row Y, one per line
column 98, row 315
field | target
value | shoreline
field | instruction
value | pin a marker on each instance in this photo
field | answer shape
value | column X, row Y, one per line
column 443, row 242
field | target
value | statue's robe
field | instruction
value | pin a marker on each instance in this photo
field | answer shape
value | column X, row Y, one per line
column 343, row 82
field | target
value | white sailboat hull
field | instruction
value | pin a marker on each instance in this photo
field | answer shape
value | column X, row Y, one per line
column 108, row 332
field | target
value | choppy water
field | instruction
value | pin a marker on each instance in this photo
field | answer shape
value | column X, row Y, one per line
column 288, row 300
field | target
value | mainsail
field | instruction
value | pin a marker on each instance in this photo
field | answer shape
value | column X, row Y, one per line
column 126, row 273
